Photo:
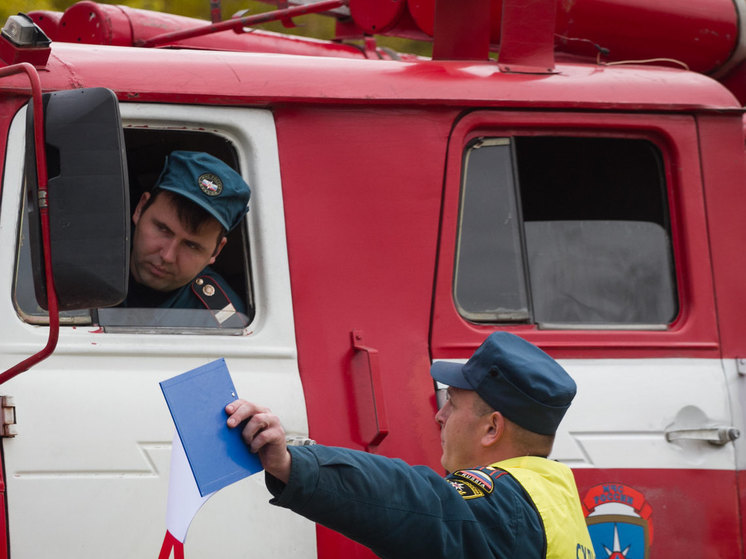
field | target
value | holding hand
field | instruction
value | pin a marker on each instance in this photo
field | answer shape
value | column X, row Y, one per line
column 263, row 434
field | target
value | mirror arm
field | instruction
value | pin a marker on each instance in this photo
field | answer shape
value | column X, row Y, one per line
column 41, row 171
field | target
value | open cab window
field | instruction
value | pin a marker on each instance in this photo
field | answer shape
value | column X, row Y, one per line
column 147, row 149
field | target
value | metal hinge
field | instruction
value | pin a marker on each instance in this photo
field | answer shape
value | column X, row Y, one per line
column 9, row 417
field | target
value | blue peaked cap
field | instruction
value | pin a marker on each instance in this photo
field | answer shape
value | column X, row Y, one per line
column 209, row 183
column 515, row 378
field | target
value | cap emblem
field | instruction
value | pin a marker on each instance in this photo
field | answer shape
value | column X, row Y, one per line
column 210, row 184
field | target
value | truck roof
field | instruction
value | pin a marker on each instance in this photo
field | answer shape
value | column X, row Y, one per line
column 231, row 78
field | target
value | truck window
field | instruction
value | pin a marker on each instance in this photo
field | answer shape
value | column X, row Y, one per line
column 146, row 153
column 564, row 232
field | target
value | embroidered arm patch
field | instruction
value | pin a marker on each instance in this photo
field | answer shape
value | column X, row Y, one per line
column 466, row 489
column 475, row 483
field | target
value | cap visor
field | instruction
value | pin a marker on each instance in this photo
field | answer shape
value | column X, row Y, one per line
column 450, row 373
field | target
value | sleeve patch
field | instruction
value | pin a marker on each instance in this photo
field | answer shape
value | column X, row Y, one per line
column 465, row 489
column 477, row 478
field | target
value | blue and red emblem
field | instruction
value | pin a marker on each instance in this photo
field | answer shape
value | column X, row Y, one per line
column 619, row 521
column 210, row 184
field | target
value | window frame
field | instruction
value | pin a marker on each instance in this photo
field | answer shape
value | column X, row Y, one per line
column 252, row 134
column 512, row 316
column 123, row 320
column 693, row 330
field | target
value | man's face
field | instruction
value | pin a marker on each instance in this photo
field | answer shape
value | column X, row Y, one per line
column 166, row 255
column 460, row 433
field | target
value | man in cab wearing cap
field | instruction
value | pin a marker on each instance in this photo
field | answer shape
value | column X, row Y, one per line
column 180, row 229
column 502, row 497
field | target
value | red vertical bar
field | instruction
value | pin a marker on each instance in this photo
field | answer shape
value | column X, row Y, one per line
column 527, row 36
column 462, row 30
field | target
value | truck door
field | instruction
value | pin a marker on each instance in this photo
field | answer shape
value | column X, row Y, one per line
column 87, row 472
column 586, row 235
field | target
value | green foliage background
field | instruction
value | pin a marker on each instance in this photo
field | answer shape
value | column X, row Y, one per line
column 320, row 27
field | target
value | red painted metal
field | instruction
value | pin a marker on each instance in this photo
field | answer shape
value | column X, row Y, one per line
column 423, row 12
column 103, row 24
column 237, row 24
column 461, row 31
column 338, row 159
column 99, row 24
column 49, row 21
column 376, row 17
column 691, row 509
column 372, row 209
column 146, row 75
column 11, row 54
column 693, row 334
column 41, row 171
column 414, row 108
column 527, row 36
column 701, row 34
column 368, row 391
column 727, row 238
column 735, row 81
column 423, row 15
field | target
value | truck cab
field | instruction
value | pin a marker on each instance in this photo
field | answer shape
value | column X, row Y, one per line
column 402, row 209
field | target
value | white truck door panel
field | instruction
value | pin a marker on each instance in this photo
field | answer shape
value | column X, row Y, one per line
column 87, row 474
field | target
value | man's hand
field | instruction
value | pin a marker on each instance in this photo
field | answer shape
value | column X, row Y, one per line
column 263, row 434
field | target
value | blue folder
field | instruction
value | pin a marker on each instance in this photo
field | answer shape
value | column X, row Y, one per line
column 197, row 400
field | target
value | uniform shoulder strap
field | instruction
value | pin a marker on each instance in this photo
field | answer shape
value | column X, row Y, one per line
column 213, row 297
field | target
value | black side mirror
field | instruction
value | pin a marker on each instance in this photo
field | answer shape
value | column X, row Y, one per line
column 88, row 199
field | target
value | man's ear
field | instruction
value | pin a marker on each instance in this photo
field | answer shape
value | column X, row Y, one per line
column 220, row 246
column 494, row 429
column 140, row 205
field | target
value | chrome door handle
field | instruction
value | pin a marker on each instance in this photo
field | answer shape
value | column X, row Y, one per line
column 718, row 435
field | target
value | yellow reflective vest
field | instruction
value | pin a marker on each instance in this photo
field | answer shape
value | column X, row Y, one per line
column 551, row 486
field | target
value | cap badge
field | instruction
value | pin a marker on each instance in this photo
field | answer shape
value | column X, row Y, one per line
column 210, row 184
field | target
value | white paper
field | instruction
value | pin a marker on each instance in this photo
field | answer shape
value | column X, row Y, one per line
column 184, row 499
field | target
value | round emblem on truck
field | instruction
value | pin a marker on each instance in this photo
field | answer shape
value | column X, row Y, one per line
column 210, row 184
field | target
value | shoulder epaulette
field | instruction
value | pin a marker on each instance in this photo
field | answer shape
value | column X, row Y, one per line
column 212, row 296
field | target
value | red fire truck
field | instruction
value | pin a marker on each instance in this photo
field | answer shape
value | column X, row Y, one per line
column 571, row 172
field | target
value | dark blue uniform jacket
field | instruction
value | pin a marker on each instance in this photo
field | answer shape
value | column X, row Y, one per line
column 406, row 511
column 186, row 297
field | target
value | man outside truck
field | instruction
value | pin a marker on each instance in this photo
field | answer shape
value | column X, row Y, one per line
column 501, row 498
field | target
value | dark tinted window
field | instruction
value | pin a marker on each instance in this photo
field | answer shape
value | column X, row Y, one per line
column 565, row 231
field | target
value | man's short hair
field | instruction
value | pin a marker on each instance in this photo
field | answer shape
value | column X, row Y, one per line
column 190, row 215
column 528, row 442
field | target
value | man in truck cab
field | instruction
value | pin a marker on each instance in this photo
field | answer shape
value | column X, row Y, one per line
column 502, row 497
column 180, row 229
